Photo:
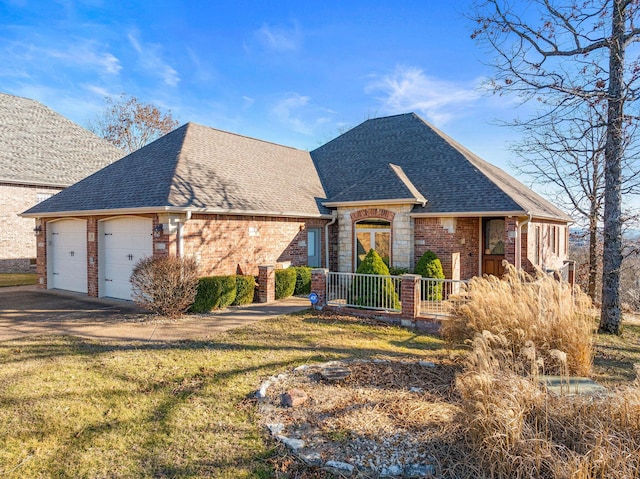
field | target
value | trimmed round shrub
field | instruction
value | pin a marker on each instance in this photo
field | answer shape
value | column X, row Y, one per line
column 303, row 280
column 373, row 264
column 214, row 292
column 429, row 266
column 285, row 282
column 165, row 285
column 245, row 286
column 370, row 292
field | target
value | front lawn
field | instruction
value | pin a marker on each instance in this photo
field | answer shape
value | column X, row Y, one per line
column 71, row 407
column 17, row 279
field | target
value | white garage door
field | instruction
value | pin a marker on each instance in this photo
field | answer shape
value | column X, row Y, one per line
column 67, row 251
column 124, row 241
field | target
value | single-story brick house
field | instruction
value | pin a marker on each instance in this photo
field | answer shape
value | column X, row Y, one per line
column 234, row 203
column 41, row 153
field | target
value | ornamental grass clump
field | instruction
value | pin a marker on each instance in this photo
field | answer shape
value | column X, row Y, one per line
column 549, row 313
column 514, row 428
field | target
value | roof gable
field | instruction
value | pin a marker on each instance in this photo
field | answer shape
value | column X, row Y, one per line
column 41, row 147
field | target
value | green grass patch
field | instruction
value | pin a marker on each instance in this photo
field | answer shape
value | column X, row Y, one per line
column 615, row 356
column 17, row 279
column 71, row 407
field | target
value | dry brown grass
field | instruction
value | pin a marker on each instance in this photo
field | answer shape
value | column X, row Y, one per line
column 521, row 308
column 516, row 430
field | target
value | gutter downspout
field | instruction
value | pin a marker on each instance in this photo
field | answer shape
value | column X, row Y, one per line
column 334, row 213
column 519, row 240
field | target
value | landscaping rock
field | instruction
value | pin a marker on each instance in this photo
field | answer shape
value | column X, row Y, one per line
column 294, row 398
column 261, row 393
column 419, row 470
column 340, row 466
column 275, row 428
column 335, row 373
column 391, row 471
column 292, row 443
column 427, row 364
column 311, row 458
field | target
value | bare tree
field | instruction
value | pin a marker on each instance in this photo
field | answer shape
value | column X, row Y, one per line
column 565, row 55
column 567, row 156
column 130, row 124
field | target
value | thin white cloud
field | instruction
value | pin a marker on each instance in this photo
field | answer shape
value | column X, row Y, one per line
column 279, row 38
column 248, row 102
column 97, row 90
column 410, row 89
column 86, row 54
column 151, row 60
column 78, row 53
column 298, row 113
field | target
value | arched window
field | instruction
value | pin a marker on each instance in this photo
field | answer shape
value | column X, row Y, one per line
column 373, row 234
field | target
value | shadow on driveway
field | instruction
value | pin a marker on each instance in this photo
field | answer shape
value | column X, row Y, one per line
column 26, row 311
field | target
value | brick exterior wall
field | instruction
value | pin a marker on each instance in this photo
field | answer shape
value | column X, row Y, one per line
column 447, row 236
column 17, row 239
column 228, row 244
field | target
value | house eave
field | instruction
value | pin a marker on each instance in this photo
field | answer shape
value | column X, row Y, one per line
column 173, row 209
column 42, row 184
column 397, row 201
column 467, row 214
column 486, row 214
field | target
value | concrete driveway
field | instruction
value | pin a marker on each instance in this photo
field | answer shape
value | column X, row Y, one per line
column 27, row 311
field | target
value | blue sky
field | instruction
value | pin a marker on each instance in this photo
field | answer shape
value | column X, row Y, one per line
column 294, row 73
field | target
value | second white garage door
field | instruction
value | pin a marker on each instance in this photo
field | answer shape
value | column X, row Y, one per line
column 123, row 242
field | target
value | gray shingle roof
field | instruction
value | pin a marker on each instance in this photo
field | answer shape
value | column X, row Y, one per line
column 201, row 168
column 385, row 159
column 40, row 147
column 450, row 177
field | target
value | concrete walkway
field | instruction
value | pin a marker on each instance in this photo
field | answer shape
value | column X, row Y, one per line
column 27, row 311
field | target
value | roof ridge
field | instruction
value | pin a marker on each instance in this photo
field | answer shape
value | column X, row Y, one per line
column 242, row 136
column 402, row 176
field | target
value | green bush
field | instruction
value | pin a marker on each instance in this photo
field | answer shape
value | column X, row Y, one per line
column 245, row 286
column 303, row 280
column 394, row 271
column 214, row 292
column 285, row 282
column 378, row 294
column 429, row 266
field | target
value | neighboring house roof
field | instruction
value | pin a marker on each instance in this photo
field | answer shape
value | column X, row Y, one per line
column 40, row 147
column 396, row 159
column 450, row 177
column 198, row 168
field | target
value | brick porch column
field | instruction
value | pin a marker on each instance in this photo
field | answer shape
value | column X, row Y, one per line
column 266, row 283
column 410, row 294
column 319, row 285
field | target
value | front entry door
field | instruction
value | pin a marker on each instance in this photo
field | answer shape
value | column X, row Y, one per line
column 494, row 241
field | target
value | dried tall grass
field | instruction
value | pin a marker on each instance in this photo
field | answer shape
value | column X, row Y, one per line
column 517, row 430
column 550, row 314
